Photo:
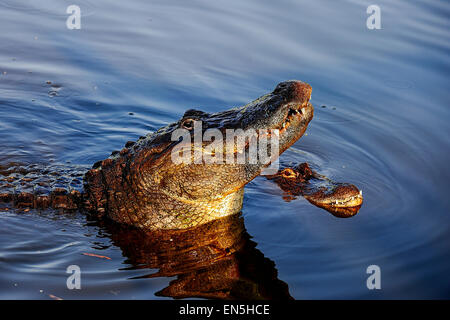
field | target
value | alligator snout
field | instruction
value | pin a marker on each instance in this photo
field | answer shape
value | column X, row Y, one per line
column 296, row 95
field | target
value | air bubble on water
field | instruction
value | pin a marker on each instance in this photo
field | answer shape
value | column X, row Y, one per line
column 53, row 92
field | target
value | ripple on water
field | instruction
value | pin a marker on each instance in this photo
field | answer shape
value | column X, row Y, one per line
column 332, row 154
column 43, row 8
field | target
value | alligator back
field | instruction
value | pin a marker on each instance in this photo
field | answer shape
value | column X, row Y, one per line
column 42, row 186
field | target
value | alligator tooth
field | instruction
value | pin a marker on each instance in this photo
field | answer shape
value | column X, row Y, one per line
column 284, row 124
column 360, row 192
column 303, row 110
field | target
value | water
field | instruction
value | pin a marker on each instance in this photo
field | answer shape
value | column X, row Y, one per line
column 136, row 66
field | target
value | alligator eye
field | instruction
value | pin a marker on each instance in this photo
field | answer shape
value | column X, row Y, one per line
column 187, row 124
column 288, row 173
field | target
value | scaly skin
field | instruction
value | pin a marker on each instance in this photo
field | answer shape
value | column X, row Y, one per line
column 142, row 186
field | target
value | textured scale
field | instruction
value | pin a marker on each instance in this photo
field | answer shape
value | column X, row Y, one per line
column 42, row 186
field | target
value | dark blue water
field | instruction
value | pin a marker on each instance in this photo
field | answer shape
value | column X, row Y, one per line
column 135, row 66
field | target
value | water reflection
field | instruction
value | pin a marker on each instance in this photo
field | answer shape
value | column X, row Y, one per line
column 216, row 260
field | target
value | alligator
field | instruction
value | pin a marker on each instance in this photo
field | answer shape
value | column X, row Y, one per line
column 142, row 186
column 342, row 200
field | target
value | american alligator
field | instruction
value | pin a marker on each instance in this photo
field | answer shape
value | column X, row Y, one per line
column 142, row 186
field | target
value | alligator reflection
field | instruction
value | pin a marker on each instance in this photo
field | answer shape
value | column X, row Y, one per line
column 216, row 260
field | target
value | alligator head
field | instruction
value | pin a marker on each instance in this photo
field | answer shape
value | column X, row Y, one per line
column 143, row 186
column 340, row 199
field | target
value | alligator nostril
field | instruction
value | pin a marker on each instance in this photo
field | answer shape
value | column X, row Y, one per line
column 188, row 124
column 292, row 111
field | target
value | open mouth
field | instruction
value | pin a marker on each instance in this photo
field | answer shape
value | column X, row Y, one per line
column 294, row 113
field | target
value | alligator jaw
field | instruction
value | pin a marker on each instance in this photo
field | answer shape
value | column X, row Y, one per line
column 340, row 212
column 342, row 201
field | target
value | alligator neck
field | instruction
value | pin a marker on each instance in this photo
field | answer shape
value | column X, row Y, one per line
column 171, row 212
